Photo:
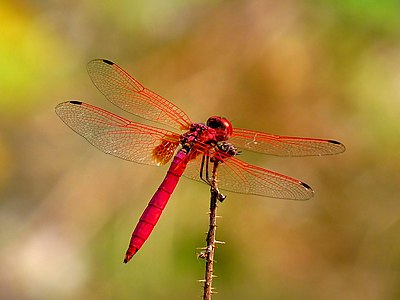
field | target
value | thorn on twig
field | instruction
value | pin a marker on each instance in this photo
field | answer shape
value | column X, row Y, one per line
column 214, row 292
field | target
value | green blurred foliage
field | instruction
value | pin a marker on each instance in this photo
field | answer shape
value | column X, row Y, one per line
column 307, row 68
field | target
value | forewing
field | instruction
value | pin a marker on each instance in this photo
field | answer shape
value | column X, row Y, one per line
column 283, row 145
column 130, row 95
column 118, row 136
column 236, row 176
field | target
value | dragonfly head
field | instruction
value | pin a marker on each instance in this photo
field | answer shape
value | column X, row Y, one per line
column 222, row 126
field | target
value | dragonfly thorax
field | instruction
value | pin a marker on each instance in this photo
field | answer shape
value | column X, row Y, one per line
column 217, row 129
column 199, row 132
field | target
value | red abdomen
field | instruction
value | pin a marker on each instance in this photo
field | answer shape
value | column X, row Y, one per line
column 156, row 205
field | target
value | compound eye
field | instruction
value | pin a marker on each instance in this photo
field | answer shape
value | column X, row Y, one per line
column 214, row 122
column 222, row 125
column 228, row 127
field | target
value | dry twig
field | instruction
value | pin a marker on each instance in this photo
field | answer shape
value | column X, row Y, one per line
column 208, row 254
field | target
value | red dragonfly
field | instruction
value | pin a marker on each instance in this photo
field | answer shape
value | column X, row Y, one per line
column 193, row 151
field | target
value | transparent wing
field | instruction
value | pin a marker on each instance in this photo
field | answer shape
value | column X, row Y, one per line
column 237, row 176
column 130, row 95
column 283, row 145
column 117, row 136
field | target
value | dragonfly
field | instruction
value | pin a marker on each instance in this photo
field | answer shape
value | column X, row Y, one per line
column 193, row 148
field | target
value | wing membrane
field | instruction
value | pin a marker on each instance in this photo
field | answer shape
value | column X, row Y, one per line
column 236, row 176
column 115, row 135
column 283, row 145
column 130, row 95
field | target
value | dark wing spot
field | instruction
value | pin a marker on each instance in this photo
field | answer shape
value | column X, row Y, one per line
column 75, row 102
column 334, row 142
column 306, row 186
column 108, row 62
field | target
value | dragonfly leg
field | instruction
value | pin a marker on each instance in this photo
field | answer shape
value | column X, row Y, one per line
column 204, row 170
column 208, row 175
column 201, row 169
column 207, row 179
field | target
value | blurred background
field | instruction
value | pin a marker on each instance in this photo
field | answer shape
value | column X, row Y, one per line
column 328, row 69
